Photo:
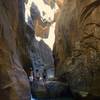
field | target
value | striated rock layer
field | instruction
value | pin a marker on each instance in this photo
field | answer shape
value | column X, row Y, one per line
column 77, row 45
column 13, row 80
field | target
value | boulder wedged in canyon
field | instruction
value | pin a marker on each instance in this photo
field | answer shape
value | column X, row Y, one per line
column 77, row 49
column 13, row 80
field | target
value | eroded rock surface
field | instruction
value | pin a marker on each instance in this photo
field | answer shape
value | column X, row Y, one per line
column 77, row 49
column 13, row 80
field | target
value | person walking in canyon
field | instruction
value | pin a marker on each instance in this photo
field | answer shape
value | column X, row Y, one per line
column 44, row 75
column 37, row 75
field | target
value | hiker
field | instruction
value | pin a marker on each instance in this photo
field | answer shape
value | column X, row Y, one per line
column 31, row 76
column 44, row 75
column 37, row 75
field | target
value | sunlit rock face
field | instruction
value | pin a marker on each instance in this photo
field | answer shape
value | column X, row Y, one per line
column 13, row 80
column 39, row 17
column 41, row 29
column 59, row 3
column 76, row 49
column 39, row 14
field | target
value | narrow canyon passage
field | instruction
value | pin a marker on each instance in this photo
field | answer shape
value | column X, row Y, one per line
column 41, row 17
column 50, row 50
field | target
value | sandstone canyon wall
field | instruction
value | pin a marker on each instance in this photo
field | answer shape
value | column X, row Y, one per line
column 40, row 52
column 77, row 45
column 13, row 80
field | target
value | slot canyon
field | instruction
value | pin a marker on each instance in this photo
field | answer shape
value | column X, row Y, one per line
column 49, row 49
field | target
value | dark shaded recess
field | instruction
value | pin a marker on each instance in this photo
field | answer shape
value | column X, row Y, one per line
column 34, row 11
column 27, row 62
column 22, row 41
column 88, row 97
column 27, row 68
column 29, row 31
